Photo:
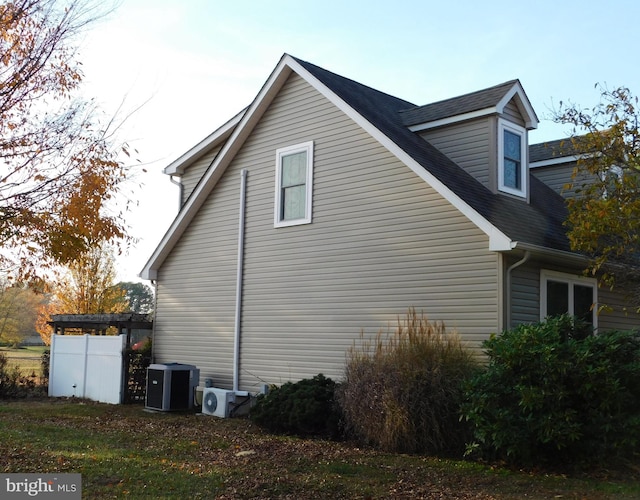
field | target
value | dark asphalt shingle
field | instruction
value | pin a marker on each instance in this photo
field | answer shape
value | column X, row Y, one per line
column 539, row 222
column 468, row 103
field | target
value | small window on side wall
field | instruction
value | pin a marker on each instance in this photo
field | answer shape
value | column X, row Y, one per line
column 568, row 294
column 294, row 185
column 512, row 159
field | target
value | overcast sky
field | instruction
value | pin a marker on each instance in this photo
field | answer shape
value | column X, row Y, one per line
column 196, row 63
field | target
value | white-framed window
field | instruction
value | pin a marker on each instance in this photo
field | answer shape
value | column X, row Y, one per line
column 512, row 159
column 562, row 293
column 294, row 185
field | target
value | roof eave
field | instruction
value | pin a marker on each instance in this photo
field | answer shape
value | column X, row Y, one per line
column 214, row 139
column 558, row 160
column 450, row 120
column 558, row 256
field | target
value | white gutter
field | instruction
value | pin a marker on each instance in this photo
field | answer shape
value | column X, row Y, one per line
column 154, row 283
column 563, row 256
column 238, row 317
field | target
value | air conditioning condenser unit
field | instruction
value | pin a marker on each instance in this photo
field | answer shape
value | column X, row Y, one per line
column 217, row 402
column 171, row 386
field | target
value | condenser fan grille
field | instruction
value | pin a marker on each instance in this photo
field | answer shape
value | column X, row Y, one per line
column 211, row 402
column 217, row 402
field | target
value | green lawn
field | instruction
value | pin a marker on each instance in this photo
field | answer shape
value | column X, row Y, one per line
column 29, row 359
column 125, row 451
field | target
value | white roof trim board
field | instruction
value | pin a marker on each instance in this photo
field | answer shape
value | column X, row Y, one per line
column 557, row 161
column 531, row 121
column 454, row 119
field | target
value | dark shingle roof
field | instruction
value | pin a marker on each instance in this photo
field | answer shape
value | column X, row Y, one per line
column 468, row 103
column 552, row 149
column 538, row 223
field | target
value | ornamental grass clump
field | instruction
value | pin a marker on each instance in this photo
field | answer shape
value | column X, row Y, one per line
column 402, row 391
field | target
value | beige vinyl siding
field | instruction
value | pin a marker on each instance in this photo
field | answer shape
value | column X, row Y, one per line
column 195, row 171
column 467, row 144
column 617, row 316
column 512, row 113
column 556, row 177
column 196, row 290
column 381, row 241
column 559, row 176
column 525, row 298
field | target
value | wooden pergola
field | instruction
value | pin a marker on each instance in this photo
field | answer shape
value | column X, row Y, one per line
column 100, row 323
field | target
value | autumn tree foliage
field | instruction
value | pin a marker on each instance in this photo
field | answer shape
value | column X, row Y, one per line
column 47, row 308
column 89, row 285
column 59, row 166
column 604, row 216
column 18, row 312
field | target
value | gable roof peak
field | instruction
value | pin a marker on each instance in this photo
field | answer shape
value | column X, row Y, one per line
column 317, row 70
column 380, row 115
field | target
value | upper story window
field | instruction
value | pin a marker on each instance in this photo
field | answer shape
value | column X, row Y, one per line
column 294, row 185
column 567, row 294
column 512, row 159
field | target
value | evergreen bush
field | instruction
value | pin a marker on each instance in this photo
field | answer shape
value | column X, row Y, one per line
column 402, row 392
column 304, row 408
column 553, row 393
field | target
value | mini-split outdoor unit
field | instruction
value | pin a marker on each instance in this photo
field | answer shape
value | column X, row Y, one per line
column 171, row 386
column 217, row 402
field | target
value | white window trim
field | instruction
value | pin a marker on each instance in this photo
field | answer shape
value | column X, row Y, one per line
column 297, row 148
column 570, row 279
column 521, row 131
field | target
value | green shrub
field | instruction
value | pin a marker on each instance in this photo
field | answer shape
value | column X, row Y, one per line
column 304, row 408
column 552, row 394
column 403, row 391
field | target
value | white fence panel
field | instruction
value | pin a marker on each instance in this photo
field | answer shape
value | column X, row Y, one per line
column 67, row 365
column 87, row 366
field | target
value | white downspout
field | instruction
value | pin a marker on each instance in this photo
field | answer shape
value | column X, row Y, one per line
column 238, row 317
column 179, row 184
column 524, row 259
column 154, row 283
